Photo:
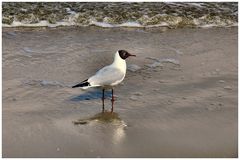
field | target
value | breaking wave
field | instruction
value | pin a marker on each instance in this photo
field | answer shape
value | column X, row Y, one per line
column 141, row 14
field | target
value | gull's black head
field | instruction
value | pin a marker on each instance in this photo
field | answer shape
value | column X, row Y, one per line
column 124, row 54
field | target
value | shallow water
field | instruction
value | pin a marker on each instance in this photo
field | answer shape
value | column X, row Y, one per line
column 177, row 109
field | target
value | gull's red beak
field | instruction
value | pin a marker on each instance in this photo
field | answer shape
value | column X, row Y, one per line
column 132, row 55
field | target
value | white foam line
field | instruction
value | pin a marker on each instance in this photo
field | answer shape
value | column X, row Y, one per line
column 45, row 23
column 40, row 24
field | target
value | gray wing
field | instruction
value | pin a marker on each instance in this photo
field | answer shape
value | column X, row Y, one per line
column 106, row 76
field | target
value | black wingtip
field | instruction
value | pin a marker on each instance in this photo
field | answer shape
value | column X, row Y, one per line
column 82, row 84
column 74, row 86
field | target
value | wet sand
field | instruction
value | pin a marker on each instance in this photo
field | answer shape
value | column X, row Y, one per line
column 180, row 102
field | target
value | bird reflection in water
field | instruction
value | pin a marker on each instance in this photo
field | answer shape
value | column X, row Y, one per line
column 109, row 122
column 104, row 116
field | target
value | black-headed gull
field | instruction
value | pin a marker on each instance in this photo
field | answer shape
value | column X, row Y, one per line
column 109, row 76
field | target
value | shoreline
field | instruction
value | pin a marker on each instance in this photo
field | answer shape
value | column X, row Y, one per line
column 121, row 27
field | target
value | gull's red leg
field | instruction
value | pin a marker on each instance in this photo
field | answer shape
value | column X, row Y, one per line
column 103, row 100
column 112, row 101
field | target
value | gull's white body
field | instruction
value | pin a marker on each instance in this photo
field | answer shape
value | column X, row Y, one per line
column 110, row 75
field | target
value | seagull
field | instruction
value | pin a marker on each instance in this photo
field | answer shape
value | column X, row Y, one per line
column 109, row 76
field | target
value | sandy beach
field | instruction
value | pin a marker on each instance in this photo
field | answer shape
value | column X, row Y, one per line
column 179, row 97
